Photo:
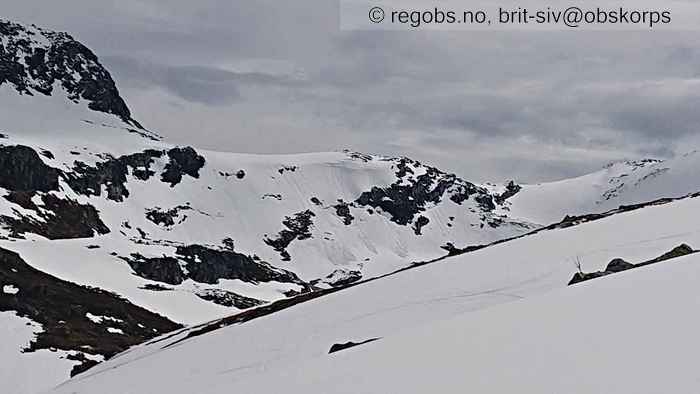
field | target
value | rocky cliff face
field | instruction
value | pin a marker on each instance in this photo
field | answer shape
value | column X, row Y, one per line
column 39, row 61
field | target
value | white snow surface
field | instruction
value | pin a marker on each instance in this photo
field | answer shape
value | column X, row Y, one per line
column 621, row 183
column 441, row 331
column 25, row 372
column 628, row 333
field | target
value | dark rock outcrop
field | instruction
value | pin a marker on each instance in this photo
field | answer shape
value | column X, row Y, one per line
column 287, row 169
column 21, row 169
column 342, row 209
column 111, row 173
column 421, row 222
column 208, row 265
column 297, row 228
column 342, row 278
column 511, row 189
column 347, row 345
column 678, row 251
column 411, row 194
column 205, row 264
column 61, row 219
column 35, row 60
column 228, row 298
column 619, row 265
column 167, row 218
column 62, row 310
column 183, row 161
column 160, row 269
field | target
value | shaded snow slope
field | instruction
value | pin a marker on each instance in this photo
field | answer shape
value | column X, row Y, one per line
column 260, row 355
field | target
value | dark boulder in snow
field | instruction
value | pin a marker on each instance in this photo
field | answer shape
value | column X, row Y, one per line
column 618, row 265
column 421, row 222
column 347, row 345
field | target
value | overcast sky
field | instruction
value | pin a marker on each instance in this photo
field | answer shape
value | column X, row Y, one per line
column 270, row 76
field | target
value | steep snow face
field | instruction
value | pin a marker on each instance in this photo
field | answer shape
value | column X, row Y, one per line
column 623, row 183
column 410, row 311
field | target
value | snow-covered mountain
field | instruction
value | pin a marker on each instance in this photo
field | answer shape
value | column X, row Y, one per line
column 620, row 183
column 123, row 236
column 499, row 319
column 110, row 236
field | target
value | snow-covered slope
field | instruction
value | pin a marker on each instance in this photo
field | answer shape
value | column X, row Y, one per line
column 622, row 183
column 408, row 312
column 20, row 373
column 632, row 333
column 293, row 222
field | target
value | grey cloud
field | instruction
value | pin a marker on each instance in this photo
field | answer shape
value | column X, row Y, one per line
column 197, row 83
column 491, row 104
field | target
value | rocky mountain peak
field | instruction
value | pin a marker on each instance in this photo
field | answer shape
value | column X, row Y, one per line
column 34, row 61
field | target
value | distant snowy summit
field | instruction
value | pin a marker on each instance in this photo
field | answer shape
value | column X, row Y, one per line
column 617, row 184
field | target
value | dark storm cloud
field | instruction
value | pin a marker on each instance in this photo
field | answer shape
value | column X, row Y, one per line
column 531, row 106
